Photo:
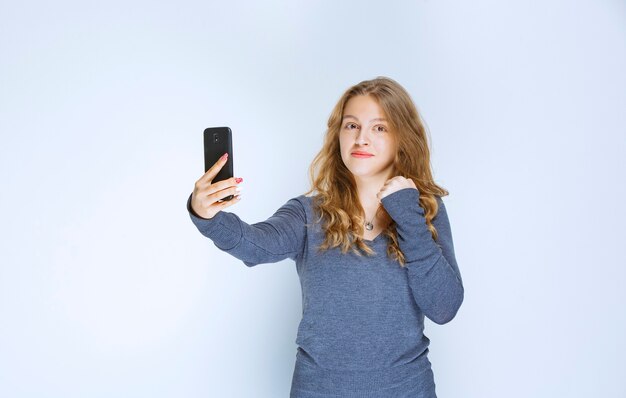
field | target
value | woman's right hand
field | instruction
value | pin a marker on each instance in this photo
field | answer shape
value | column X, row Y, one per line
column 205, row 197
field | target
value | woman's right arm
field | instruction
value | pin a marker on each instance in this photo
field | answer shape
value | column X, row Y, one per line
column 280, row 236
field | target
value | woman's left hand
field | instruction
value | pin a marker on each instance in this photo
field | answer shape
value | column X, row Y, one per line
column 395, row 184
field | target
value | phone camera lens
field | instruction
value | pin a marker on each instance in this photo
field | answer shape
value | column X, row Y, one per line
column 216, row 138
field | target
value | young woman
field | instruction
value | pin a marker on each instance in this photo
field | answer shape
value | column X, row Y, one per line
column 372, row 245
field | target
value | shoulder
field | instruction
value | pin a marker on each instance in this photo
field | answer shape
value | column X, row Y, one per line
column 304, row 199
column 441, row 217
column 298, row 207
column 301, row 201
column 307, row 201
column 307, row 205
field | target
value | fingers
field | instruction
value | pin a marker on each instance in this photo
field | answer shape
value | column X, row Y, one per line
column 227, row 203
column 402, row 181
column 219, row 190
column 212, row 172
column 207, row 206
column 211, row 210
column 206, row 197
column 394, row 184
column 222, row 193
column 391, row 182
column 218, row 186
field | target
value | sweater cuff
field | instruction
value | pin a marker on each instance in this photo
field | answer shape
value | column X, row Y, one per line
column 224, row 231
column 400, row 201
column 414, row 237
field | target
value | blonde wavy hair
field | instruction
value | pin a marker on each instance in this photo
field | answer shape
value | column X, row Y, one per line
column 336, row 201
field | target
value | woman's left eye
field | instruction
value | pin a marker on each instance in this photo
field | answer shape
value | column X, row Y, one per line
column 380, row 129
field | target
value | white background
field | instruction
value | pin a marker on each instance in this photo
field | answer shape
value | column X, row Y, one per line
column 108, row 290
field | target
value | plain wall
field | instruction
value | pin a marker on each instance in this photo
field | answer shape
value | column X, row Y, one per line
column 108, row 290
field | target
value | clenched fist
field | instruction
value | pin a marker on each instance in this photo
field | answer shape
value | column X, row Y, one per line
column 395, row 184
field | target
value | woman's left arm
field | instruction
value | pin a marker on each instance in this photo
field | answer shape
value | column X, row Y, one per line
column 434, row 276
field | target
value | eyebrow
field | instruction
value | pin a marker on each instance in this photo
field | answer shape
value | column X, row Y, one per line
column 378, row 119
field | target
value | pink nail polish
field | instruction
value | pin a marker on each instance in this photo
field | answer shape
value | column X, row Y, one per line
column 224, row 156
column 238, row 180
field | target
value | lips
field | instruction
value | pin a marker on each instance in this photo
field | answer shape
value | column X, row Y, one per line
column 359, row 154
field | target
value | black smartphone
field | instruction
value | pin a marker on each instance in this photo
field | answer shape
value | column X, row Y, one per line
column 217, row 141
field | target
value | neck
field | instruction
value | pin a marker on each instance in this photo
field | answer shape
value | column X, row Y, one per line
column 368, row 188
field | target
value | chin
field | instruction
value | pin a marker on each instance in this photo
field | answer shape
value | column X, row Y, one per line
column 363, row 173
column 358, row 171
column 364, row 170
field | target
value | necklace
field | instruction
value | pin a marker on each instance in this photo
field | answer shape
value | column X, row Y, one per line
column 368, row 224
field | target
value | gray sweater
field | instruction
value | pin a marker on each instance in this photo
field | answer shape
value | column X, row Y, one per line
column 361, row 332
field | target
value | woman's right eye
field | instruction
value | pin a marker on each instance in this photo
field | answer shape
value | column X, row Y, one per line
column 351, row 126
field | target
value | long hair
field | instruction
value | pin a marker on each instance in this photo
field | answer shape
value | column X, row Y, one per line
column 337, row 203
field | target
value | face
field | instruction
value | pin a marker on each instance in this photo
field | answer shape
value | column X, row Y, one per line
column 368, row 147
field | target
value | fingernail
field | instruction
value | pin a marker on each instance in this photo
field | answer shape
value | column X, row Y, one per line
column 224, row 156
column 238, row 180
column 238, row 189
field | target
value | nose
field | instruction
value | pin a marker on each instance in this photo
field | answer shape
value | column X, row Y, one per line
column 361, row 138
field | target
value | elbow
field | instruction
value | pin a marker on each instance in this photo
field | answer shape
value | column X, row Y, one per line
column 449, row 312
column 442, row 319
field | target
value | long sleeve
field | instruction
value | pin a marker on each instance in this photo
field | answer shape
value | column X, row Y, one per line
column 279, row 237
column 433, row 273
